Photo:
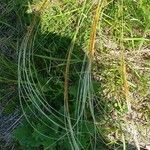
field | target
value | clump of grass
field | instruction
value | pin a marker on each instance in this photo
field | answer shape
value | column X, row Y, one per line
column 31, row 91
column 78, row 78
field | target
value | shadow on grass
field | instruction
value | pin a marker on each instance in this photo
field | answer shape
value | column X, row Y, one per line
column 43, row 58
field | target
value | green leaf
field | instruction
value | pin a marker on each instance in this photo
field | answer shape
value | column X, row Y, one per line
column 49, row 144
column 23, row 134
column 73, row 90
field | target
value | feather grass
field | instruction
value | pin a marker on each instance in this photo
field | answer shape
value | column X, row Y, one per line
column 30, row 90
column 125, row 82
column 85, row 94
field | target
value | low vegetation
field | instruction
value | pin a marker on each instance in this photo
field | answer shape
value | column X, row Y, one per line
column 75, row 74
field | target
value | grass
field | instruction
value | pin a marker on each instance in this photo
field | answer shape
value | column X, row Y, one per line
column 76, row 73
